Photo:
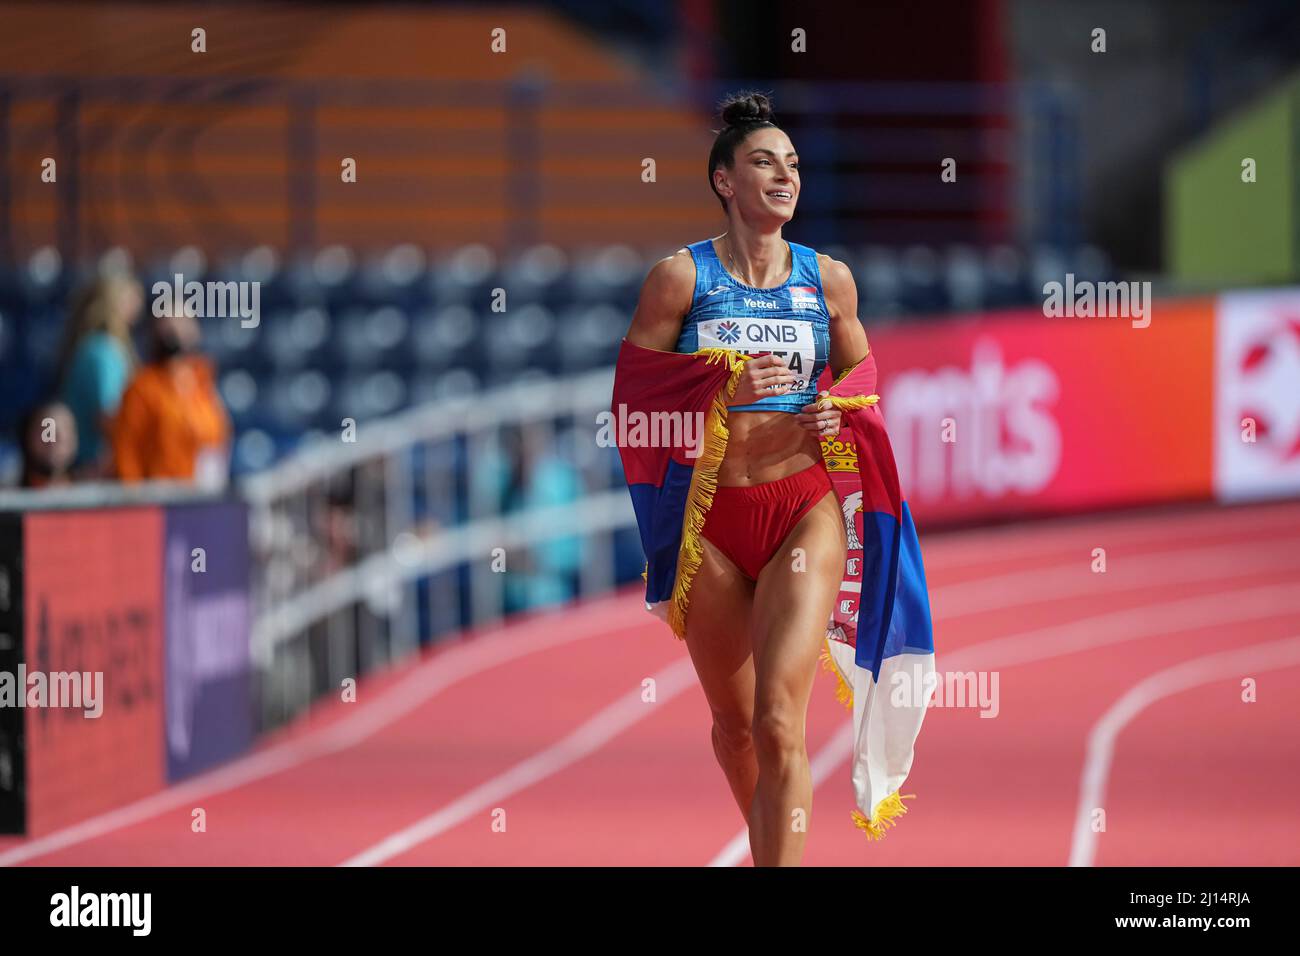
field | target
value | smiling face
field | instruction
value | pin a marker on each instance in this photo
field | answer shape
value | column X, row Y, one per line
column 762, row 183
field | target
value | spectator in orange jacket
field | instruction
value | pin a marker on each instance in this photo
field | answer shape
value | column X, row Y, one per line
column 171, row 423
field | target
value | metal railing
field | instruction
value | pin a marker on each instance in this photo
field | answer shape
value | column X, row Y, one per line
column 103, row 494
column 363, row 550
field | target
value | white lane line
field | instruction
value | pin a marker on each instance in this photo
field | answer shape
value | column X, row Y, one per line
column 429, row 678
column 396, row 701
column 1210, row 564
column 962, row 549
column 585, row 740
column 1221, row 666
column 1124, row 573
column 1058, row 640
column 1115, row 627
column 830, row 756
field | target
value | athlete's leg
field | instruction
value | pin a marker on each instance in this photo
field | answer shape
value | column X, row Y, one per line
column 793, row 598
column 717, row 636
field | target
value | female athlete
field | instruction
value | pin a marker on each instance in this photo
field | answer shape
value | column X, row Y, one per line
column 774, row 539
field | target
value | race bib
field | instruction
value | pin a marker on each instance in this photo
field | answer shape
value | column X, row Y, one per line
column 793, row 341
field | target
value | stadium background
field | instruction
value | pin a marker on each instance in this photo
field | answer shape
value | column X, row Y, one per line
column 475, row 429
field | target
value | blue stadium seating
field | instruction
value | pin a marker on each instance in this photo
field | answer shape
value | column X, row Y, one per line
column 346, row 336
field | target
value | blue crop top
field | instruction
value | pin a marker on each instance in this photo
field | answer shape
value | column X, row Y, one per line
column 790, row 320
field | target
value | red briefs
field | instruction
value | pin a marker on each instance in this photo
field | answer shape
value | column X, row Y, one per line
column 748, row 523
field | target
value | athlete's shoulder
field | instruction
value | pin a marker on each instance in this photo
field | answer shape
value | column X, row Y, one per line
column 826, row 262
column 666, row 297
column 673, row 275
column 838, row 287
column 834, row 271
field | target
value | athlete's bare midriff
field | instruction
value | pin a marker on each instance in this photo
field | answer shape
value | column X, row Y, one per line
column 766, row 446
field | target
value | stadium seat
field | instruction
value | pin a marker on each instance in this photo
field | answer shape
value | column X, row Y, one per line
column 466, row 276
column 963, row 278
column 536, row 277
column 397, row 276
column 300, row 399
column 591, row 335
column 456, row 383
column 297, row 339
column 6, row 335
column 254, row 450
column 239, row 390
column 520, row 337
column 44, row 282
column 1005, row 282
column 373, row 338
column 341, row 337
column 368, row 395
column 922, row 291
column 612, row 273
column 445, row 337
column 231, row 344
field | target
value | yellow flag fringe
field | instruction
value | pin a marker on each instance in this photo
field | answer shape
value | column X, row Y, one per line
column 843, row 690
column 885, row 816
column 704, row 482
column 849, row 371
column 850, row 402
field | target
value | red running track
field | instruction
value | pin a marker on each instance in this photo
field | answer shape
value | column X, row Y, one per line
column 1120, row 690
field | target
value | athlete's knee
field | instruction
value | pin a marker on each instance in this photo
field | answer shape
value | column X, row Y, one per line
column 731, row 735
column 778, row 733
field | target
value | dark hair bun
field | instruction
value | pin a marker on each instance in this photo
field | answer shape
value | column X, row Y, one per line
column 740, row 109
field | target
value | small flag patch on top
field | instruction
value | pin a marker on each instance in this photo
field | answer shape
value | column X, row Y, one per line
column 803, row 297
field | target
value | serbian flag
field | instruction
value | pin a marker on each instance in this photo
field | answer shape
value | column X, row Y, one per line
column 669, row 418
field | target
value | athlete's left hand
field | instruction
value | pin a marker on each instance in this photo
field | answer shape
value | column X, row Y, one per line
column 820, row 418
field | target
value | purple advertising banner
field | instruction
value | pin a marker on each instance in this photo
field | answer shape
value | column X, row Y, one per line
column 209, row 712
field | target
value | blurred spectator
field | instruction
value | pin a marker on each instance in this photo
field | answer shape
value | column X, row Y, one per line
column 557, row 561
column 48, row 436
column 497, row 473
column 96, row 361
column 171, row 424
column 533, row 472
column 336, row 527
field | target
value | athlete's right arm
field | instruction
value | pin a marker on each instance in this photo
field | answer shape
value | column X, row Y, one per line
column 665, row 299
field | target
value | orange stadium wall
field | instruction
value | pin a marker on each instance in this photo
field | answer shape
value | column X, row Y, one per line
column 160, row 147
